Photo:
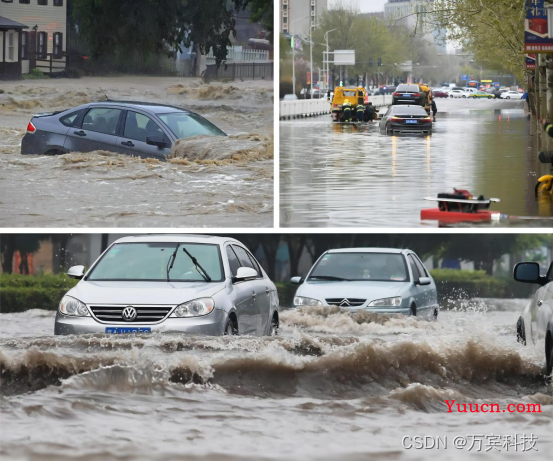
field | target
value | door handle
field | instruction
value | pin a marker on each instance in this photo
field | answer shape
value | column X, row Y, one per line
column 540, row 303
column 80, row 133
column 127, row 143
column 266, row 290
column 254, row 294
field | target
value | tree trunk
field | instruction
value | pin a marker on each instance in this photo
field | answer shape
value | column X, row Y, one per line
column 7, row 254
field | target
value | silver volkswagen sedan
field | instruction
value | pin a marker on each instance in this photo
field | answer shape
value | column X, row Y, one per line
column 381, row 280
column 171, row 283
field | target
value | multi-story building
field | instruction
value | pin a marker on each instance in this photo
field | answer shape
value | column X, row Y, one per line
column 304, row 13
column 32, row 35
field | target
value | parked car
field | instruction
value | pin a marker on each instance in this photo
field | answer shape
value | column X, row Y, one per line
column 380, row 280
column 510, row 95
column 471, row 90
column 457, row 94
column 133, row 128
column 171, row 284
column 439, row 93
column 406, row 119
column 290, row 97
column 535, row 324
column 480, row 94
column 407, row 94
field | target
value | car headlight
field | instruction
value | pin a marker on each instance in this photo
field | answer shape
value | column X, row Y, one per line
column 387, row 302
column 74, row 307
column 194, row 308
column 301, row 301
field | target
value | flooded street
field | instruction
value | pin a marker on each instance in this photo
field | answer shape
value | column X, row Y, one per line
column 330, row 387
column 217, row 185
column 334, row 175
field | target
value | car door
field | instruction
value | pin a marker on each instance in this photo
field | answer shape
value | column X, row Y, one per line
column 137, row 128
column 263, row 297
column 259, row 288
column 95, row 131
column 417, row 291
column 429, row 292
column 244, row 299
column 541, row 310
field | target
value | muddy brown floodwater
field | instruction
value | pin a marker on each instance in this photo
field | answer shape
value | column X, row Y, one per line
column 229, row 184
column 331, row 387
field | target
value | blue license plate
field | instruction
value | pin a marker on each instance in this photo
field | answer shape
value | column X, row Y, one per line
column 127, row 330
column 411, row 121
column 407, row 95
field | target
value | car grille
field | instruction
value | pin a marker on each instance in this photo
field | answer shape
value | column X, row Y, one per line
column 345, row 302
column 145, row 313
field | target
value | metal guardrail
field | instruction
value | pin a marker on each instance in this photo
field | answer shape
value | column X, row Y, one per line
column 313, row 107
column 246, row 71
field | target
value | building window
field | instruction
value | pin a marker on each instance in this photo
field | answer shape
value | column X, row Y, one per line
column 58, row 45
column 24, row 42
column 25, row 1
column 285, row 20
column 42, row 44
column 11, row 50
column 58, row 2
column 42, row 2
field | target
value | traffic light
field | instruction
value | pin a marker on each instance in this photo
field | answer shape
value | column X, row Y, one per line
column 379, row 62
column 370, row 62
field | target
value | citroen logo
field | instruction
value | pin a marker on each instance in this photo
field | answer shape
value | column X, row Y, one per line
column 344, row 302
column 129, row 314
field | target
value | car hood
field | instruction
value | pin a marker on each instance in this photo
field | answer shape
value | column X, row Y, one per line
column 359, row 289
column 142, row 292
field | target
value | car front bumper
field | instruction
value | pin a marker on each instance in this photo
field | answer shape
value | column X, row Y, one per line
column 212, row 324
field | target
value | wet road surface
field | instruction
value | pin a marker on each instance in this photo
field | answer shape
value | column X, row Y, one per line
column 335, row 175
column 213, row 187
column 330, row 387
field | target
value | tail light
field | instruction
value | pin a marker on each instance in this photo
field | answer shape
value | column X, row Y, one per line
column 395, row 119
column 396, row 94
column 426, row 119
column 417, row 95
column 31, row 128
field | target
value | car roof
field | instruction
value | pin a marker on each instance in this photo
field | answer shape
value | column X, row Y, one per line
column 176, row 238
column 368, row 250
column 146, row 106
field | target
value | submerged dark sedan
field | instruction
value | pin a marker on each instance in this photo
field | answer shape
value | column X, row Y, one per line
column 406, row 119
column 133, row 128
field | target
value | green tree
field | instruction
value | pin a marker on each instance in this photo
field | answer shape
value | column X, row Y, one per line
column 25, row 244
column 262, row 11
column 147, row 27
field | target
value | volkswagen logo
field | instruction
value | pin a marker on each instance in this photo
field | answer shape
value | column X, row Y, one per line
column 344, row 302
column 129, row 314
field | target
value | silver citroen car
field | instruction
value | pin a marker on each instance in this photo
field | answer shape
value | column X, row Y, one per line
column 171, row 283
column 381, row 280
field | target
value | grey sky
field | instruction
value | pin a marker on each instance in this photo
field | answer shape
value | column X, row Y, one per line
column 365, row 6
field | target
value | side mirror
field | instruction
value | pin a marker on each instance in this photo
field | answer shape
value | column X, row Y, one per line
column 296, row 280
column 528, row 272
column 76, row 272
column 245, row 273
column 156, row 141
column 424, row 281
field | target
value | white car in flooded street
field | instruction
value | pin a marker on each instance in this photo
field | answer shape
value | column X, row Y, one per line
column 535, row 324
column 379, row 280
column 171, row 284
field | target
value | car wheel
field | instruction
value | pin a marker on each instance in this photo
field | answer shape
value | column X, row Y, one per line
column 507, row 97
column 231, row 328
column 451, row 95
column 388, row 129
column 520, row 331
column 463, row 96
column 413, row 310
column 435, row 315
column 548, row 351
column 489, row 97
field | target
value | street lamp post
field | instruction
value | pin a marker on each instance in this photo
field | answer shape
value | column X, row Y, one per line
column 311, row 62
column 326, row 37
column 293, row 71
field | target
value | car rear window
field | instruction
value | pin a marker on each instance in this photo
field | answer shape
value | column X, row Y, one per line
column 413, row 88
column 70, row 119
column 397, row 110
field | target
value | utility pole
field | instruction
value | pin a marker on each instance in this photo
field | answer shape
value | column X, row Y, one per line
column 312, row 61
column 326, row 37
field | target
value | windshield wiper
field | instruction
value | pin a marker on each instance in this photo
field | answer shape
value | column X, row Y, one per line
column 327, row 277
column 198, row 267
column 171, row 261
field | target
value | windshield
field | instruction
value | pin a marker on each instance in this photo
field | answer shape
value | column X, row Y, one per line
column 408, row 88
column 185, row 125
column 381, row 267
column 349, row 93
column 408, row 110
column 149, row 262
